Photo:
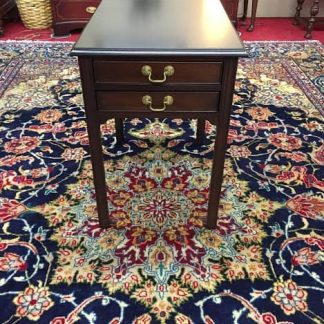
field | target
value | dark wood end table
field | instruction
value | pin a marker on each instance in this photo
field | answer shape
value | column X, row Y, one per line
column 143, row 58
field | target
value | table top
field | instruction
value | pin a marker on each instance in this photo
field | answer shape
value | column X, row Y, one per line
column 159, row 27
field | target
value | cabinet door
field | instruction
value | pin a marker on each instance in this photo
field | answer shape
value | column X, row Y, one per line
column 231, row 9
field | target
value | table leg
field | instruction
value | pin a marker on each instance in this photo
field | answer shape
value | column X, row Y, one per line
column 95, row 141
column 200, row 134
column 99, row 175
column 246, row 2
column 314, row 11
column 119, row 127
column 254, row 9
column 1, row 27
column 222, row 126
column 298, row 10
column 217, row 174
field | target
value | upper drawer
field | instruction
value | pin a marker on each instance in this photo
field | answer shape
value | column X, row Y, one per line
column 145, row 72
column 73, row 9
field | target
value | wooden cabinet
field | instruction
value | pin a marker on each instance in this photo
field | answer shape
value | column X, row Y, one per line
column 75, row 14
column 71, row 14
column 6, row 7
column 231, row 9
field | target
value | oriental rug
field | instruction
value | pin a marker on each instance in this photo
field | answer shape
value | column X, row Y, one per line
column 157, row 263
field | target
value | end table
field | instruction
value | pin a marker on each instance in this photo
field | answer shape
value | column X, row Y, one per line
column 143, row 58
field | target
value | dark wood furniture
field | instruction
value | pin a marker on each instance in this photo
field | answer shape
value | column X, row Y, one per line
column 69, row 15
column 7, row 7
column 140, row 58
column 253, row 13
column 311, row 20
column 231, row 9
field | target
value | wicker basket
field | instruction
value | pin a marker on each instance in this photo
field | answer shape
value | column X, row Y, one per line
column 35, row 14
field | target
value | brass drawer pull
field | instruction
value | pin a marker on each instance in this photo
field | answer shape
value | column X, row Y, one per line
column 167, row 101
column 91, row 10
column 147, row 71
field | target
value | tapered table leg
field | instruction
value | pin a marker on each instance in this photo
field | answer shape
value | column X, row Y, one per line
column 222, row 127
column 95, row 142
column 254, row 9
column 200, row 134
column 217, row 174
column 99, row 176
column 246, row 2
column 119, row 126
column 1, row 27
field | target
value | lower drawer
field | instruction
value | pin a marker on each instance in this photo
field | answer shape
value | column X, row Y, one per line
column 158, row 101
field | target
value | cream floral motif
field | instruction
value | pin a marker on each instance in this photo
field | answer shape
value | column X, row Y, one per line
column 32, row 302
column 289, row 297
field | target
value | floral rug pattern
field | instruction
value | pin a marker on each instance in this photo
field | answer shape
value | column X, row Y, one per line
column 157, row 263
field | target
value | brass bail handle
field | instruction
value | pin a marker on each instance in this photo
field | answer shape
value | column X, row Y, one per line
column 147, row 71
column 167, row 101
column 91, row 10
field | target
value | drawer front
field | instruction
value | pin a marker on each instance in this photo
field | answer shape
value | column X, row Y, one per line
column 64, row 10
column 172, row 72
column 158, row 101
